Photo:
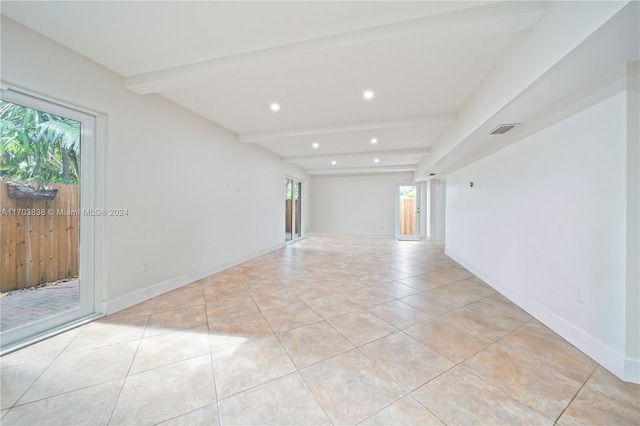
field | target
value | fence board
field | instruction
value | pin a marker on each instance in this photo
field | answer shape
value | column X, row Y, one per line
column 36, row 249
column 7, row 242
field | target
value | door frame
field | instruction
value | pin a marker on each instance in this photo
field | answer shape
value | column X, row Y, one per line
column 91, row 239
column 295, row 220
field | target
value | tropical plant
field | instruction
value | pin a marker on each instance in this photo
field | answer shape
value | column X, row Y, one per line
column 37, row 146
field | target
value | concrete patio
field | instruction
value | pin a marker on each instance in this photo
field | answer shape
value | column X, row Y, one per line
column 23, row 306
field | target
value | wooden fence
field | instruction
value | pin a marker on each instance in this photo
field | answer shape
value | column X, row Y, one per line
column 289, row 214
column 37, row 248
column 408, row 216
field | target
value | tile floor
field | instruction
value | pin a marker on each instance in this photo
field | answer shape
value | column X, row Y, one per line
column 326, row 331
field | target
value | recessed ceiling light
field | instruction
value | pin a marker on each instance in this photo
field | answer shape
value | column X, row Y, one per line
column 334, row 162
column 368, row 94
column 275, row 106
column 374, row 140
column 315, row 145
column 377, row 160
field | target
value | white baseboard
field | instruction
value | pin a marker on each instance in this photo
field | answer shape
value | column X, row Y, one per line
column 133, row 298
column 609, row 358
column 331, row 235
column 631, row 370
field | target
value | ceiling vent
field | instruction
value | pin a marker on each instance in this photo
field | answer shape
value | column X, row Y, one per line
column 503, row 128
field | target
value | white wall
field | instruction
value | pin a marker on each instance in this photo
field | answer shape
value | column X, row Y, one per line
column 545, row 224
column 198, row 200
column 355, row 204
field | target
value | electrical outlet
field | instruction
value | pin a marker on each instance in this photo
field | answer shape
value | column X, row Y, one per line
column 144, row 266
column 580, row 294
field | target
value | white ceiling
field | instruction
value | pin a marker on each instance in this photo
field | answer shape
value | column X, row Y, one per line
column 426, row 61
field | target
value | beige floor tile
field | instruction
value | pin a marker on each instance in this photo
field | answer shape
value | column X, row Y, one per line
column 313, row 343
column 420, row 282
column 344, row 285
column 230, row 306
column 250, row 364
column 207, row 415
column 407, row 412
column 396, row 290
column 500, row 310
column 76, row 370
column 266, row 283
column 108, row 331
column 539, row 384
column 448, row 340
column 412, row 269
column 310, row 292
column 407, row 361
column 161, row 394
column 429, row 304
column 181, row 300
column 237, row 330
column 284, row 401
column 46, row 350
column 88, row 406
column 15, row 380
column 368, row 296
column 369, row 278
column 591, row 407
column 333, row 306
column 399, row 314
column 459, row 397
column 361, row 327
column 274, row 298
column 490, row 327
column 215, row 292
column 444, row 276
column 169, row 348
column 289, row 317
column 455, row 272
column 437, row 264
column 548, row 350
column 350, row 388
column 472, row 285
column 296, row 280
column 180, row 319
column 454, row 294
column 211, row 335
column 605, row 382
column 144, row 309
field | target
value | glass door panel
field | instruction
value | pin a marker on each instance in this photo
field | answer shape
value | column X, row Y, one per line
column 43, row 283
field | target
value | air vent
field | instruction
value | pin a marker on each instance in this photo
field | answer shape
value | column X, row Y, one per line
column 503, row 128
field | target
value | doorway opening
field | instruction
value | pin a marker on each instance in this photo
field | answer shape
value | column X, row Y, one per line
column 408, row 211
column 293, row 209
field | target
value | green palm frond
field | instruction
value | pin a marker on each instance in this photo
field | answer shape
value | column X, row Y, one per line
column 66, row 131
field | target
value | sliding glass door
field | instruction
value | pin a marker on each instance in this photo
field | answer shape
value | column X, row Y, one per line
column 293, row 209
column 46, row 237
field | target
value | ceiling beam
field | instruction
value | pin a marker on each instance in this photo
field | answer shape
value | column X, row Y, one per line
column 530, row 57
column 415, row 151
column 362, row 170
column 439, row 119
column 451, row 26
